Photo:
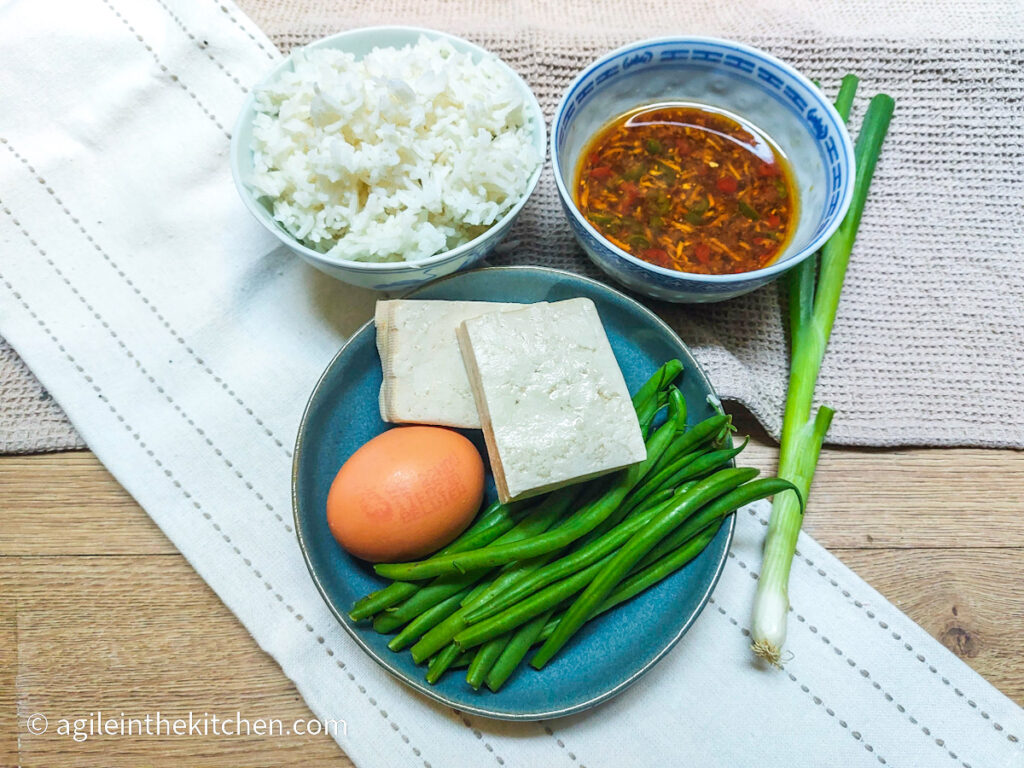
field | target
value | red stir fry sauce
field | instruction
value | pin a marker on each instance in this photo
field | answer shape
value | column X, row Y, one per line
column 687, row 187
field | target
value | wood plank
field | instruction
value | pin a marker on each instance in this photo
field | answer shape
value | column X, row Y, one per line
column 68, row 504
column 918, row 498
column 139, row 635
column 907, row 497
column 9, row 725
column 968, row 599
column 144, row 632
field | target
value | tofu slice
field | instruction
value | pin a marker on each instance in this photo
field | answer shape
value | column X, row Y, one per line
column 554, row 406
column 381, row 323
column 425, row 379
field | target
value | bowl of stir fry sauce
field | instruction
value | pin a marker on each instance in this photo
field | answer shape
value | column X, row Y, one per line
column 696, row 169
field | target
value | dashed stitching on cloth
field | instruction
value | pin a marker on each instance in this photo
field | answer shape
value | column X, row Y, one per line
column 895, row 635
column 479, row 735
column 145, row 300
column 816, row 699
column 201, row 45
column 272, row 55
column 561, row 744
column 163, row 68
column 143, row 370
column 206, row 515
column 863, row 672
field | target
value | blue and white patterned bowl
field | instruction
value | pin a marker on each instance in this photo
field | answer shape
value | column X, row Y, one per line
column 389, row 276
column 731, row 76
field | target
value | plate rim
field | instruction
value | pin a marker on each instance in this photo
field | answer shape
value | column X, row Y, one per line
column 425, row 689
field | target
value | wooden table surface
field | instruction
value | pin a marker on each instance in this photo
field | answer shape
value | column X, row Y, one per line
column 98, row 611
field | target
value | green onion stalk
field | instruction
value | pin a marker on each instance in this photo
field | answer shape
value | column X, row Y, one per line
column 813, row 301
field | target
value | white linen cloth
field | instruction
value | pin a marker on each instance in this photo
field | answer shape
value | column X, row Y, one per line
column 183, row 345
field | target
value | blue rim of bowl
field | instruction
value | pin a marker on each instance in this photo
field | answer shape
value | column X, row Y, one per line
column 764, row 272
column 393, row 267
column 426, row 689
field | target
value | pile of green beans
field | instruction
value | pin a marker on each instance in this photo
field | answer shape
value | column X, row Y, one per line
column 535, row 572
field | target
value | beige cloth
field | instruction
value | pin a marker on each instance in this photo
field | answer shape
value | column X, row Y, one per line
column 928, row 346
column 29, row 418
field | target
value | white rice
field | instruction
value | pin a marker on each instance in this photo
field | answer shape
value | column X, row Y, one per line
column 398, row 156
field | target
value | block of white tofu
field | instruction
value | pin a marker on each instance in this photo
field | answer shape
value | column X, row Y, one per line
column 425, row 379
column 554, row 406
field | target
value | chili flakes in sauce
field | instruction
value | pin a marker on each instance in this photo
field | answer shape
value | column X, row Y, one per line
column 688, row 187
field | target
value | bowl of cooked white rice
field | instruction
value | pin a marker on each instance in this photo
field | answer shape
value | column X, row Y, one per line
column 389, row 156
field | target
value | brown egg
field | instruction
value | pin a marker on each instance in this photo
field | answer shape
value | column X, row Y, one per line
column 405, row 494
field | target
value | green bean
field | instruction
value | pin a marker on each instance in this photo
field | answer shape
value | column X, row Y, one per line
column 719, row 508
column 538, row 520
column 647, row 412
column 492, row 523
column 690, row 465
column 579, row 524
column 675, row 551
column 657, row 480
column 624, row 511
column 438, row 637
column 494, row 513
column 487, row 604
column 664, row 376
column 642, row 496
column 708, row 462
column 721, row 440
column 639, row 545
column 655, row 500
column 682, row 535
column 568, row 565
column 646, row 415
column 443, row 633
column 687, row 442
column 549, row 629
column 652, row 396
column 676, row 410
column 423, row 599
column 426, row 620
column 582, row 521
column 439, row 664
column 515, row 650
column 686, row 501
column 661, row 568
column 639, row 496
column 536, row 604
column 486, row 655
column 377, row 601
column 677, row 415
column 642, row 579
column 508, row 578
column 462, row 660
column 629, row 508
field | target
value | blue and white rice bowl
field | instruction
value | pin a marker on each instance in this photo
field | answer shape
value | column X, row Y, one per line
column 383, row 275
column 732, row 77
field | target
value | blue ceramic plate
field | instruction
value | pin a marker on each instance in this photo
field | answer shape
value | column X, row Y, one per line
column 611, row 652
